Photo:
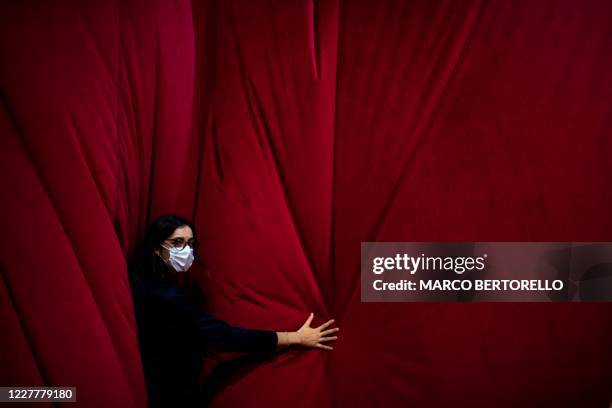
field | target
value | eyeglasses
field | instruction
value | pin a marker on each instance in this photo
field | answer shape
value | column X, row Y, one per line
column 180, row 243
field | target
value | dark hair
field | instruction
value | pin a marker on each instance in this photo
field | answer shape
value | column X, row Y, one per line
column 146, row 264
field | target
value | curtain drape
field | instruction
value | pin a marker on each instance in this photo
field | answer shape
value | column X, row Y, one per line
column 291, row 132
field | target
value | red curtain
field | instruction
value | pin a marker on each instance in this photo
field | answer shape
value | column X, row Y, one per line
column 291, row 132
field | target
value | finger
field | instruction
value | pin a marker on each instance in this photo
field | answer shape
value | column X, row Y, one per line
column 330, row 331
column 327, row 338
column 324, row 347
column 326, row 324
column 309, row 320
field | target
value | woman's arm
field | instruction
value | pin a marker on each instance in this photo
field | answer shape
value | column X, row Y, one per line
column 215, row 333
column 309, row 336
column 222, row 336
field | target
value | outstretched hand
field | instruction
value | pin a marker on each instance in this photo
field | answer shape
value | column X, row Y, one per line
column 315, row 336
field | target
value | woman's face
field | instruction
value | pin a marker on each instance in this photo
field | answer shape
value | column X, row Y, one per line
column 180, row 237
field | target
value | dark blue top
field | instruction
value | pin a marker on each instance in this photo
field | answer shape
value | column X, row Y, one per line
column 172, row 334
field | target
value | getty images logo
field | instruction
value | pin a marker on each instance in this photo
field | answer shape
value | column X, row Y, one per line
column 412, row 264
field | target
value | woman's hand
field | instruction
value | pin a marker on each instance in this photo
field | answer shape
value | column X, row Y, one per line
column 315, row 336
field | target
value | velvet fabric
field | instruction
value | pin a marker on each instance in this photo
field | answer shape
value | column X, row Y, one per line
column 291, row 131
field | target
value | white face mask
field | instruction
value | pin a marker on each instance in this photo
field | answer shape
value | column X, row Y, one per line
column 180, row 259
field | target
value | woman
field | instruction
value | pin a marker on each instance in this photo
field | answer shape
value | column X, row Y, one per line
column 172, row 332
